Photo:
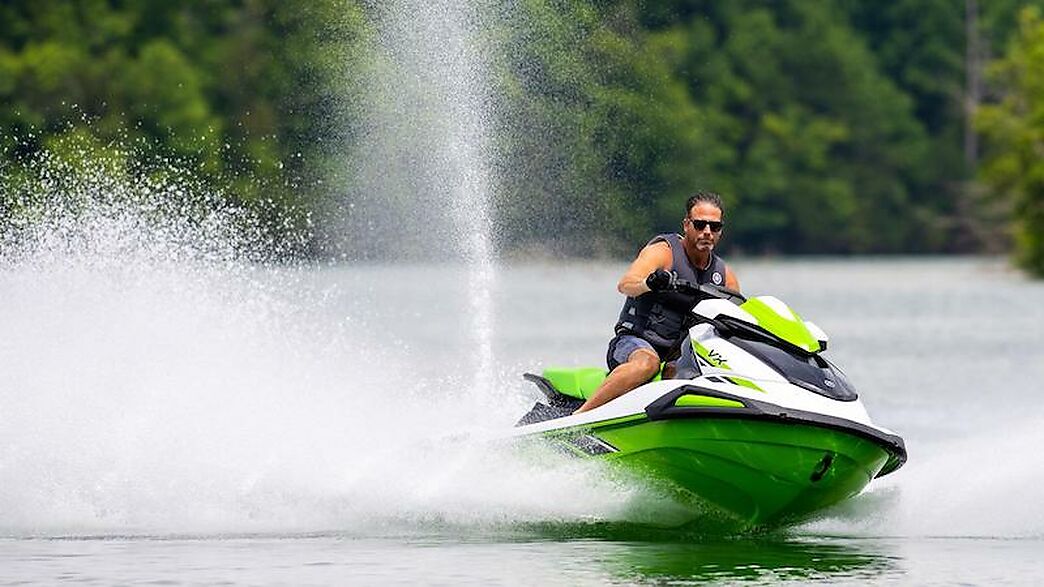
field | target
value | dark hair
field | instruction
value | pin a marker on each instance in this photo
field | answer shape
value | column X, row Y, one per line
column 708, row 197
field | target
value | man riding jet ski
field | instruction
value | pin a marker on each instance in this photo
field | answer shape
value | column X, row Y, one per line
column 652, row 322
column 757, row 424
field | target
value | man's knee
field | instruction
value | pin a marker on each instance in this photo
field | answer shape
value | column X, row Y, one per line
column 646, row 361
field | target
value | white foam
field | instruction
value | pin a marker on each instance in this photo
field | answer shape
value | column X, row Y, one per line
column 151, row 385
column 985, row 485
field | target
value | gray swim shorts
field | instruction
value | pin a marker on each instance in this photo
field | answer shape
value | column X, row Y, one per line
column 621, row 347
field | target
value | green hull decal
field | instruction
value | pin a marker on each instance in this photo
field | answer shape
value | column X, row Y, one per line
column 606, row 424
column 745, row 383
column 603, row 425
column 790, row 329
column 705, row 401
column 574, row 438
column 757, row 472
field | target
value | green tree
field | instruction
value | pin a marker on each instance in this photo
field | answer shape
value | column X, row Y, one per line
column 1014, row 129
column 921, row 46
column 819, row 151
column 241, row 92
column 603, row 142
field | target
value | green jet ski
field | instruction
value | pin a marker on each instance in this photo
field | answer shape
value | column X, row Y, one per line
column 757, row 426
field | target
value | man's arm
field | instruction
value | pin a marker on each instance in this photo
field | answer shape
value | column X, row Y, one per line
column 731, row 281
column 653, row 257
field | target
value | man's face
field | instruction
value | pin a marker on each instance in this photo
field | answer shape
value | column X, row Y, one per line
column 703, row 238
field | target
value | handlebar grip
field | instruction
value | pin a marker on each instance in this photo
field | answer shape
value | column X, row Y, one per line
column 709, row 291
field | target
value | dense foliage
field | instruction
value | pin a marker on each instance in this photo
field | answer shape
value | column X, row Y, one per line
column 829, row 127
column 1015, row 127
column 237, row 92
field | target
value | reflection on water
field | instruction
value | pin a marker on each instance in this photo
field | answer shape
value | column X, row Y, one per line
column 449, row 559
column 636, row 553
column 746, row 560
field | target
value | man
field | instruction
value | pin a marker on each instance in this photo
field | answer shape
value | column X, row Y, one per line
column 654, row 321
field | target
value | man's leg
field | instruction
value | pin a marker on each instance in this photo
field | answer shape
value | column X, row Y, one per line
column 642, row 364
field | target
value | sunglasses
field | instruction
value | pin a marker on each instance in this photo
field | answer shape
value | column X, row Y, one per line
column 699, row 225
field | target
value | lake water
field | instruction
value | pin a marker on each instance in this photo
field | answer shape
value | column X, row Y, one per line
column 202, row 425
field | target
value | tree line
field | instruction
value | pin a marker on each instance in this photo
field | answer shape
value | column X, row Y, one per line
column 840, row 127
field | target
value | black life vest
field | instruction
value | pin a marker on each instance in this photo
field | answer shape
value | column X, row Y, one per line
column 662, row 318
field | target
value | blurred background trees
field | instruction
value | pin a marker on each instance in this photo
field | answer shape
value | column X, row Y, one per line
column 830, row 127
column 1014, row 128
column 240, row 93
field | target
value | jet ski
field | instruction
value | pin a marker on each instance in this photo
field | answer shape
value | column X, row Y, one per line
column 757, row 424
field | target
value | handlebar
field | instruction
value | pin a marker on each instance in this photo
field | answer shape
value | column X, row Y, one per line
column 708, row 291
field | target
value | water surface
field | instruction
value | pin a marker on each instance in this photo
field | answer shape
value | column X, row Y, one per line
column 290, row 427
